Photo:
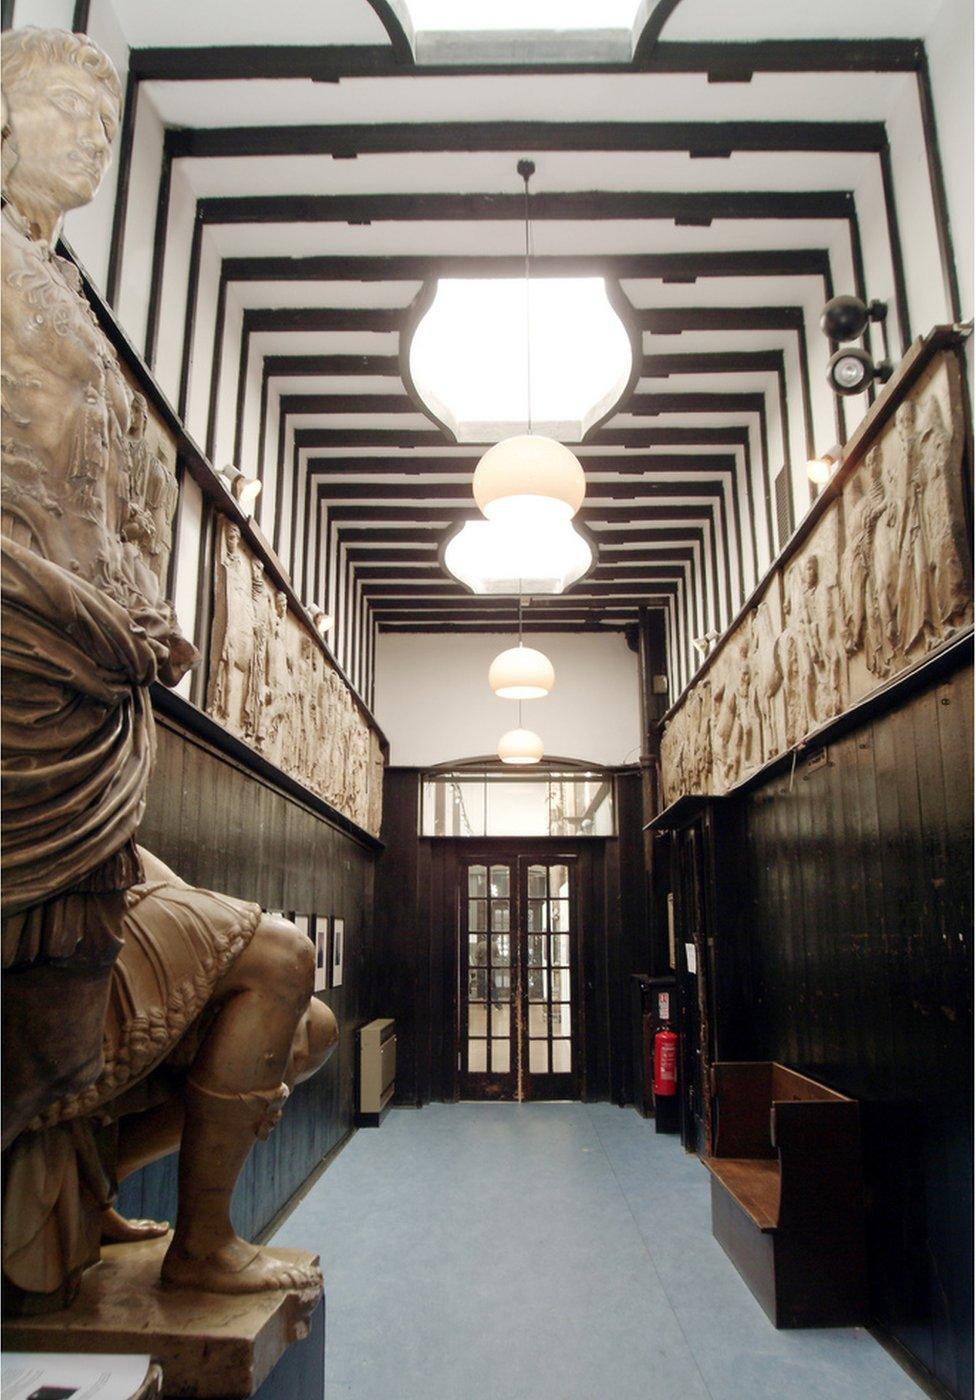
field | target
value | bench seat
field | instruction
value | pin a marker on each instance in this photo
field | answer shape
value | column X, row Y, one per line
column 787, row 1192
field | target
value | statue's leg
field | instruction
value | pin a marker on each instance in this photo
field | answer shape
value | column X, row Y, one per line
column 234, row 1093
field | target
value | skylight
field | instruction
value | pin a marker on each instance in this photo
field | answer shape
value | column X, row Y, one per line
column 504, row 31
column 468, row 358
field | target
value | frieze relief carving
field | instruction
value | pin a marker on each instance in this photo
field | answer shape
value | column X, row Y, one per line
column 884, row 577
column 271, row 685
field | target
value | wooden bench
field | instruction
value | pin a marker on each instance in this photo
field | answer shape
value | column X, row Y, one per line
column 787, row 1193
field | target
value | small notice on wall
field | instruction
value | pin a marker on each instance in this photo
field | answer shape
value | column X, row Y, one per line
column 691, row 958
column 73, row 1376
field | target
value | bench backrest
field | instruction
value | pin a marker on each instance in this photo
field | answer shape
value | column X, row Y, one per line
column 745, row 1094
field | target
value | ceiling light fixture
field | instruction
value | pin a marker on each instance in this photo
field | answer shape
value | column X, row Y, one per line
column 520, row 746
column 529, row 478
column 521, row 672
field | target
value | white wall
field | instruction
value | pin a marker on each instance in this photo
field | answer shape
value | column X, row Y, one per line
column 434, row 705
column 950, row 54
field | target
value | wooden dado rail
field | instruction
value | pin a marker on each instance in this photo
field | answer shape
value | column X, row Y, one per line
column 787, row 1193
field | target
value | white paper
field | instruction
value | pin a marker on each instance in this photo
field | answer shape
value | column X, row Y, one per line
column 71, row 1376
column 691, row 957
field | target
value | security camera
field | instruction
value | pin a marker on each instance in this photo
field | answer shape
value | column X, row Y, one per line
column 850, row 370
column 846, row 317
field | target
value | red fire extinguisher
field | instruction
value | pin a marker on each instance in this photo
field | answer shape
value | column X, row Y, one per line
column 665, row 1063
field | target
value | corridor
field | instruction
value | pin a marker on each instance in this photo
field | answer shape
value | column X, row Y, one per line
column 548, row 1251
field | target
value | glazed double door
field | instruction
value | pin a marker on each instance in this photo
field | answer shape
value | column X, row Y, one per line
column 518, row 956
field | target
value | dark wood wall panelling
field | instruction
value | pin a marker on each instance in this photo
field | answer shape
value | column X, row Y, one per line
column 416, row 942
column 221, row 828
column 842, row 922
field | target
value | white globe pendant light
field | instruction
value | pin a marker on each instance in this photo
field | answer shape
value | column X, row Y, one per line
column 529, row 480
column 521, row 673
column 520, row 746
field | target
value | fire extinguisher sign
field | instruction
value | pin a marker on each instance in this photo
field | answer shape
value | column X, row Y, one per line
column 664, row 1006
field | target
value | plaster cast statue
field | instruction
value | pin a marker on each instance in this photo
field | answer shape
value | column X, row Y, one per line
column 814, row 613
column 769, row 670
column 234, row 627
column 136, row 1008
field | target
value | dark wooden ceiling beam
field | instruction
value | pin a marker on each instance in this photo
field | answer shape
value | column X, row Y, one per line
column 274, row 319
column 676, row 267
column 672, row 320
column 594, row 464
column 583, row 205
column 394, row 492
column 713, row 362
column 636, row 437
column 650, row 405
column 330, row 63
column 327, row 366
column 347, row 140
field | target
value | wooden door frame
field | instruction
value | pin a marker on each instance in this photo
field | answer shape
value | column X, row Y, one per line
column 581, row 852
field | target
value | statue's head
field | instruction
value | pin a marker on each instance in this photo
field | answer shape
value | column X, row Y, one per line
column 257, row 575
column 138, row 417
column 281, row 603
column 874, row 464
column 62, row 101
column 233, row 538
column 811, row 571
column 905, row 419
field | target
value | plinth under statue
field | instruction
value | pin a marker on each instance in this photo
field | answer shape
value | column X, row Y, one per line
column 140, row 1014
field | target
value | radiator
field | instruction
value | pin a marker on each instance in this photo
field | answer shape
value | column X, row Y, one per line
column 377, row 1068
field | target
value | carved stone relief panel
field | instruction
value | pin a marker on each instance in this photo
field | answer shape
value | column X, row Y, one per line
column 883, row 577
column 271, row 685
column 153, row 488
column 906, row 577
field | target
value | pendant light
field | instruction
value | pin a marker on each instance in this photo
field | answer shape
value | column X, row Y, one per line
column 528, row 480
column 520, row 747
column 521, row 672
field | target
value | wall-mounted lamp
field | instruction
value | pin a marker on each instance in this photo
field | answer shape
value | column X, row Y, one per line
column 850, row 370
column 321, row 620
column 244, row 489
column 821, row 469
column 704, row 645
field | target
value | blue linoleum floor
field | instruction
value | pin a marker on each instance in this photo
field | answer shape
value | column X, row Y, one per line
column 548, row 1252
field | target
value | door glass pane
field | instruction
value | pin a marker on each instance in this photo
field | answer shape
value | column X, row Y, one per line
column 560, row 914
column 562, row 1057
column 538, row 984
column 501, row 1020
column 477, row 950
column 537, row 950
column 538, row 1057
column 476, row 881
column 477, row 913
column 537, row 1021
column 537, row 916
column 499, row 915
column 477, row 1056
column 501, row 950
column 501, row 1051
column 561, row 1020
column 558, row 881
column 499, row 882
column 501, row 985
column 537, row 881
column 560, row 949
column 477, row 984
column 560, row 984
column 477, row 1020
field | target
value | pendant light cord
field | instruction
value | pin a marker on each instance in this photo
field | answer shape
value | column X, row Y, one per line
column 526, row 168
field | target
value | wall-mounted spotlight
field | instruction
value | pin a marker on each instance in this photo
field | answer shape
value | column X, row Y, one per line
column 850, row 370
column 244, row 489
column 321, row 620
column 821, row 469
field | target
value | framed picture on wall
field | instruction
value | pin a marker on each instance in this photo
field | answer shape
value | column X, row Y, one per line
column 303, row 923
column 321, row 953
column 338, row 940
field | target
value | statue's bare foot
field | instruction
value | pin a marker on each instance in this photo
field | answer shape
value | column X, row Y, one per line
column 236, row 1267
column 117, row 1230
